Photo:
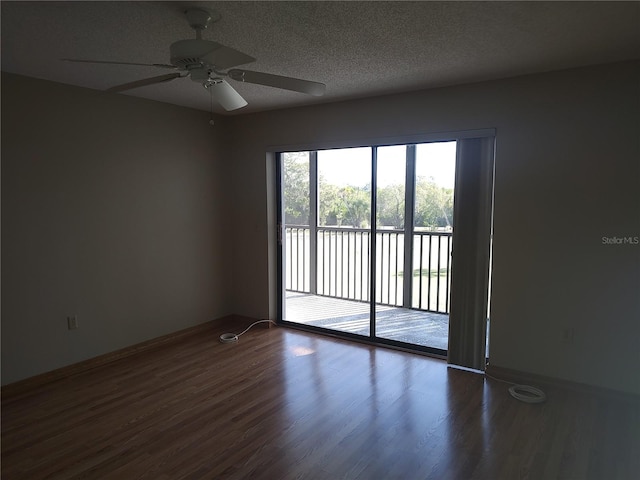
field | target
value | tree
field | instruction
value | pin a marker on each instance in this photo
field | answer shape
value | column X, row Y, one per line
column 357, row 203
column 391, row 206
column 296, row 188
column 434, row 204
column 347, row 205
column 331, row 208
column 351, row 205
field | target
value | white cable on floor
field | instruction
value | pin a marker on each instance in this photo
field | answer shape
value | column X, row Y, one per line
column 232, row 337
column 524, row 393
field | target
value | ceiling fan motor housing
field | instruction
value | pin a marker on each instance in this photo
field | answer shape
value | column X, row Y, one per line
column 198, row 18
column 187, row 54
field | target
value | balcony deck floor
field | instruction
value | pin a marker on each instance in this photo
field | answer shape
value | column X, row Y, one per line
column 402, row 324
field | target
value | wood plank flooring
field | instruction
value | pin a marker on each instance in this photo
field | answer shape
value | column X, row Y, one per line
column 286, row 404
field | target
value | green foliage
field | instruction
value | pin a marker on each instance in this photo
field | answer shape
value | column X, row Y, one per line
column 434, row 204
column 296, row 188
column 344, row 206
column 351, row 206
column 391, row 206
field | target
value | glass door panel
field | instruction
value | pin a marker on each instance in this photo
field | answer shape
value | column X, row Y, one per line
column 432, row 238
column 340, row 242
column 295, row 185
column 391, row 170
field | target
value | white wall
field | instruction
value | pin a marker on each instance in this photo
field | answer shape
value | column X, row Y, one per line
column 113, row 209
column 567, row 174
column 120, row 210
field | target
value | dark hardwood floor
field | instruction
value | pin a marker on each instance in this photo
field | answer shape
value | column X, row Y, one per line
column 286, row 404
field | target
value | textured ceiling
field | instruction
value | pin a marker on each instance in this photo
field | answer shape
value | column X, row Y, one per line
column 358, row 49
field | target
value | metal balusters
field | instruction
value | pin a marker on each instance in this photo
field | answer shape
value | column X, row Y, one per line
column 396, row 271
column 438, row 275
column 446, row 306
column 343, row 265
column 420, row 278
column 389, row 271
column 429, row 278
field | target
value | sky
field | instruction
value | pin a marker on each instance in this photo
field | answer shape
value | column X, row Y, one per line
column 352, row 166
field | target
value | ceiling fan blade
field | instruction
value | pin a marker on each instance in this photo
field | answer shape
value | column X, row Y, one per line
column 287, row 83
column 160, row 65
column 226, row 95
column 226, row 57
column 142, row 83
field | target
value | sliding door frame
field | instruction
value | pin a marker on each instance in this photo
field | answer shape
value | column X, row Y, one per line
column 409, row 141
column 373, row 235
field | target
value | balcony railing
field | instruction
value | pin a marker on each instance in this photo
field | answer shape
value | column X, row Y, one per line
column 341, row 266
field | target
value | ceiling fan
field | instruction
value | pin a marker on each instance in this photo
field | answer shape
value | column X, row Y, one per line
column 209, row 62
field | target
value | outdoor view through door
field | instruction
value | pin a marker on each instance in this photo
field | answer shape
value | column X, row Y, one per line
column 366, row 242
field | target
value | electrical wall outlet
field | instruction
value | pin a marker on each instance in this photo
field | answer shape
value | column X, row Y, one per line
column 72, row 322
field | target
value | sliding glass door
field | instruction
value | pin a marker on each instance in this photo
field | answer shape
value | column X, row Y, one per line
column 415, row 191
column 326, row 207
column 344, row 238
column 367, row 236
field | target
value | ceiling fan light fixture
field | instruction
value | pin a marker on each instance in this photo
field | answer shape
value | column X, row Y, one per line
column 224, row 94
